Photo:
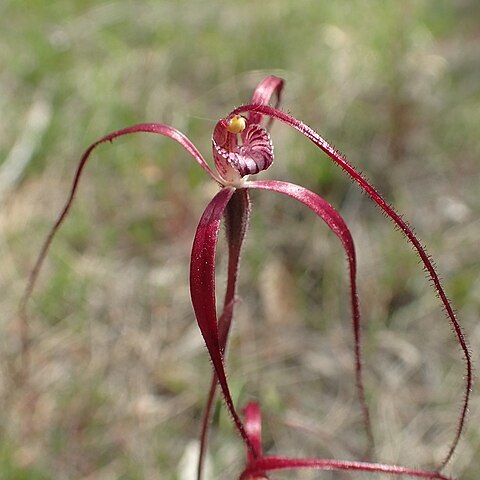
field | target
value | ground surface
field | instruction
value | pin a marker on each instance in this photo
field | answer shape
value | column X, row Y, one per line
column 120, row 372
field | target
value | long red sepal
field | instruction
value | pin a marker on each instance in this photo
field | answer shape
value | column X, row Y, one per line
column 336, row 223
column 237, row 214
column 202, row 291
column 156, row 128
column 357, row 177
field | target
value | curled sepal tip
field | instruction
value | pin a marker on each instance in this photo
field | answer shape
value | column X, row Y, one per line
column 262, row 95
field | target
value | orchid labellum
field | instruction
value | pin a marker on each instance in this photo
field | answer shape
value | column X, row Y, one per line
column 242, row 147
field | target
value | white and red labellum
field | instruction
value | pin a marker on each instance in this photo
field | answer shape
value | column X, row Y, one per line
column 240, row 148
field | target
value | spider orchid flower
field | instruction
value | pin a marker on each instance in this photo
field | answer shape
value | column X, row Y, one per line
column 242, row 147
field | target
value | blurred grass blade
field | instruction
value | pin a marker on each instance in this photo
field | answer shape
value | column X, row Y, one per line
column 36, row 124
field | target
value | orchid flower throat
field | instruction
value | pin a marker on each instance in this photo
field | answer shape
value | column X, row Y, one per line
column 240, row 148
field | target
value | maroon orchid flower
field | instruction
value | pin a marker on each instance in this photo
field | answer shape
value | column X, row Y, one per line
column 242, row 147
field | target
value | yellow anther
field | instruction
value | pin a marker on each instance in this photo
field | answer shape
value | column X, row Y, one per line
column 236, row 124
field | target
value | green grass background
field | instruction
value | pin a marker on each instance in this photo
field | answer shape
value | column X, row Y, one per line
column 119, row 373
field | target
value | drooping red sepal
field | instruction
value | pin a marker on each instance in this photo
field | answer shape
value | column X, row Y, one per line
column 336, row 223
column 237, row 214
column 202, row 291
column 234, row 160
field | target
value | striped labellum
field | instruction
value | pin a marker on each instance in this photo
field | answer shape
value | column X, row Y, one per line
column 240, row 148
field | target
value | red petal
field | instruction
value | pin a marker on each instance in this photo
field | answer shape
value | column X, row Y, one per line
column 157, row 128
